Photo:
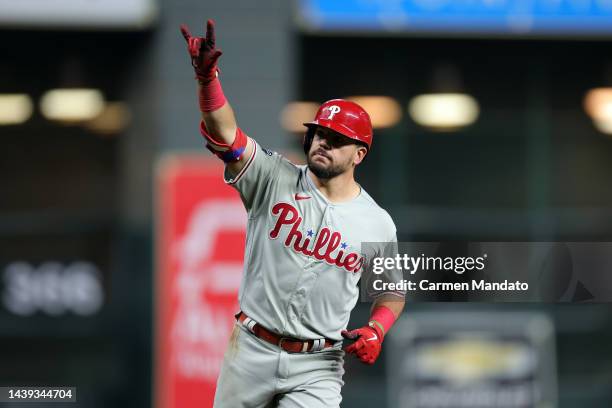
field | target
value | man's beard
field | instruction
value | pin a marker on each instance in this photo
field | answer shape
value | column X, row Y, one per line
column 323, row 172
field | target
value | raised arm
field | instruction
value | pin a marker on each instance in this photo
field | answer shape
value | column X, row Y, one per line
column 218, row 126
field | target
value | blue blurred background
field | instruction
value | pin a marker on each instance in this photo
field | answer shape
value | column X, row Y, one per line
column 493, row 122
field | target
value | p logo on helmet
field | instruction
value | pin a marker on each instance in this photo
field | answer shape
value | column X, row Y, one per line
column 332, row 111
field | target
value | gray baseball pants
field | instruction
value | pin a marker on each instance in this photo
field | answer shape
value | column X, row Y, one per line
column 257, row 374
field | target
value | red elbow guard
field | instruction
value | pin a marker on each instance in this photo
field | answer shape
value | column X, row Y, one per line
column 227, row 153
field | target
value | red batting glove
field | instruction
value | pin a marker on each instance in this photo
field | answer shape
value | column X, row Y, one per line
column 204, row 54
column 368, row 344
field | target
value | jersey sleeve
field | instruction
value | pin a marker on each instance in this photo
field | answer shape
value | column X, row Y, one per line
column 253, row 182
column 381, row 278
column 395, row 274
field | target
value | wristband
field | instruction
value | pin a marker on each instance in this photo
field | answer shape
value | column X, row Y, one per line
column 211, row 95
column 383, row 318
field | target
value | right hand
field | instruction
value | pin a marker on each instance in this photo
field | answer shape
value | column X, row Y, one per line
column 204, row 54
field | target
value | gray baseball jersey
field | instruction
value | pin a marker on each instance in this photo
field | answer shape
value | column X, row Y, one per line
column 303, row 256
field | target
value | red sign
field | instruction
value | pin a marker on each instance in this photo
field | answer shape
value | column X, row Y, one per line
column 201, row 225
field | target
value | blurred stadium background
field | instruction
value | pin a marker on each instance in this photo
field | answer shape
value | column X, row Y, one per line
column 494, row 122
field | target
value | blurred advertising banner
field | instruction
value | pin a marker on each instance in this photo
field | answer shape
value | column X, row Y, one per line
column 54, row 276
column 200, row 235
column 86, row 14
column 471, row 271
column 534, row 17
column 472, row 360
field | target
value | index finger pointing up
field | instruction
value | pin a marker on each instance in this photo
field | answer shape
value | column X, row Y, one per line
column 185, row 32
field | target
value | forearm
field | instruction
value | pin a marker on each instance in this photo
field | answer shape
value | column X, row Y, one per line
column 386, row 309
column 220, row 121
column 392, row 302
column 220, row 125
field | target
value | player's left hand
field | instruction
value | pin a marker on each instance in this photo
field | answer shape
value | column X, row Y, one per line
column 368, row 344
column 203, row 51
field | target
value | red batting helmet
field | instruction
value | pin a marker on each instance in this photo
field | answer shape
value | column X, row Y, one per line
column 344, row 117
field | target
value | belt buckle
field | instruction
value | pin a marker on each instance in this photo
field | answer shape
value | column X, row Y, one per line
column 281, row 340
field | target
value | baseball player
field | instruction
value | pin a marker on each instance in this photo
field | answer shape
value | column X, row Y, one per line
column 303, row 256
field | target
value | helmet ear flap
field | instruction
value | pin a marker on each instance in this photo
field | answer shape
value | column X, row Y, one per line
column 308, row 136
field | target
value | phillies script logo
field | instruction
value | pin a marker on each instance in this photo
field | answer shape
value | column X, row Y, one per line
column 326, row 241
